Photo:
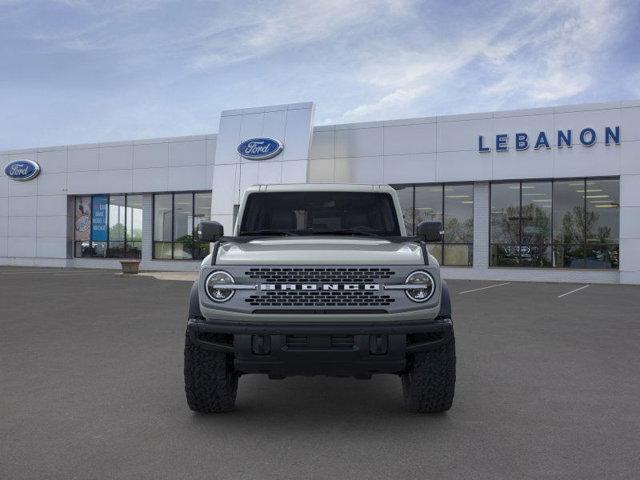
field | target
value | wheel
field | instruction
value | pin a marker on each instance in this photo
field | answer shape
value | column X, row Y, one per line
column 210, row 381
column 428, row 385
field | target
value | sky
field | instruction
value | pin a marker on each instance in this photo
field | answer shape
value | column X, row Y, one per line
column 80, row 71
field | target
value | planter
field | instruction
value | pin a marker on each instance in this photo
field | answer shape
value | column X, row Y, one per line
column 130, row 266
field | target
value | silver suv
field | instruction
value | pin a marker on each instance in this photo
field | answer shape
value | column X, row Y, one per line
column 319, row 280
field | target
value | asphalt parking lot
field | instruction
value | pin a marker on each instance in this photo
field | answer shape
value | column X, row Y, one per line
column 91, row 388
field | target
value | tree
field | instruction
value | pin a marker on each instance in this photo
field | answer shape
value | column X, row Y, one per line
column 458, row 232
column 577, row 222
column 116, row 232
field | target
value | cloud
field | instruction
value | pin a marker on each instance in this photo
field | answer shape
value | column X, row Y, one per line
column 259, row 32
column 399, row 97
column 555, row 63
column 209, row 35
column 542, row 53
column 120, row 6
column 407, row 76
column 125, row 69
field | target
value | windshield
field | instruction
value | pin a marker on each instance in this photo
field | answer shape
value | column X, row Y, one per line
column 320, row 213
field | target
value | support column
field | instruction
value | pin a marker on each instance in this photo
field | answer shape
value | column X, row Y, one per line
column 481, row 218
column 291, row 124
column 629, row 229
column 147, row 226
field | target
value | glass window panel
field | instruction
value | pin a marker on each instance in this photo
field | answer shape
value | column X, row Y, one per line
column 162, row 217
column 99, row 249
column 115, row 249
column 504, row 255
column 202, row 208
column 428, row 205
column 549, row 229
column 134, row 249
column 108, row 226
column 82, row 223
column 505, row 213
column 82, row 249
column 536, row 213
column 183, row 226
column 183, row 216
column 601, row 256
column 82, row 226
column 162, row 250
column 535, row 255
column 569, row 256
column 458, row 254
column 183, row 250
column 202, row 211
column 435, row 249
column 134, row 226
column 405, row 195
column 603, row 211
column 134, row 218
column 116, row 218
column 176, row 217
column 568, row 212
column 458, row 214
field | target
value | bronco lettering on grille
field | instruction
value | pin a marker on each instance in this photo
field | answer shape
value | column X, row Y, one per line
column 322, row 286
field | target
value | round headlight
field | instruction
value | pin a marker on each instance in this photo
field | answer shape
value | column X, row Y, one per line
column 425, row 286
column 214, row 286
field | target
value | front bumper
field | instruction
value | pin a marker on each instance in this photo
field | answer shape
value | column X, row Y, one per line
column 336, row 349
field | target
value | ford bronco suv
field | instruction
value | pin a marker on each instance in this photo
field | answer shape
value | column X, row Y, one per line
column 319, row 280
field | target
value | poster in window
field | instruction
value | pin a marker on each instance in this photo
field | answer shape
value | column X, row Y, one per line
column 83, row 219
column 99, row 218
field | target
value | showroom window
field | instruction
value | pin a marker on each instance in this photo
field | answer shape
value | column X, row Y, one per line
column 563, row 224
column 176, row 217
column 108, row 226
column 451, row 204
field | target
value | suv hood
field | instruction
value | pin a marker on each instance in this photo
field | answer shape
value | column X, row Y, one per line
column 321, row 250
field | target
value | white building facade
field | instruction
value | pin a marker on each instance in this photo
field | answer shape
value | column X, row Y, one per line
column 549, row 194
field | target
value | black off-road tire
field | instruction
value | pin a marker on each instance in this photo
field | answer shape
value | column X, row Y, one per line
column 428, row 385
column 210, row 381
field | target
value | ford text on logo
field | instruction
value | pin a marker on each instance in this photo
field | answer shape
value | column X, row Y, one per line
column 22, row 170
column 323, row 286
column 260, row 148
column 564, row 138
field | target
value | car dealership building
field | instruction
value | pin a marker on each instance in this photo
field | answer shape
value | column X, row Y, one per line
column 549, row 194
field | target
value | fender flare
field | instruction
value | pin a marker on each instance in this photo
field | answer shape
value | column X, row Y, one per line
column 194, row 302
column 445, row 302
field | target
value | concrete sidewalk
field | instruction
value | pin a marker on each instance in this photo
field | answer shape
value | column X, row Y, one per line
column 172, row 276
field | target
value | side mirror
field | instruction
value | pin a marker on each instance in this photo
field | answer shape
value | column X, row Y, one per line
column 210, row 231
column 430, row 232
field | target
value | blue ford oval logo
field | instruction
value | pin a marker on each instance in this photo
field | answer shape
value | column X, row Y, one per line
column 260, row 148
column 22, row 170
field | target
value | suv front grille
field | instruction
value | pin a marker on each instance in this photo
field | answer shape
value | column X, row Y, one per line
column 319, row 274
column 319, row 299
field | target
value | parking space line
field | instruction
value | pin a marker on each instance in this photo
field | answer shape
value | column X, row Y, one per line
column 484, row 288
column 573, row 291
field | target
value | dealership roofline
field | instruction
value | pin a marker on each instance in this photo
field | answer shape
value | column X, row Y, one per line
column 570, row 108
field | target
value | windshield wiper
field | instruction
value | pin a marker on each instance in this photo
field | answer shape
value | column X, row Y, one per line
column 267, row 231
